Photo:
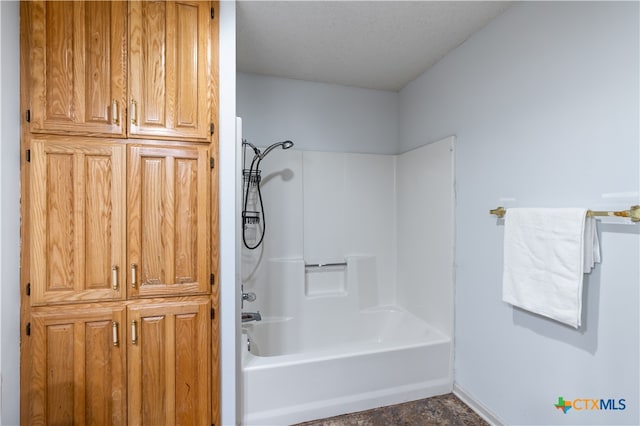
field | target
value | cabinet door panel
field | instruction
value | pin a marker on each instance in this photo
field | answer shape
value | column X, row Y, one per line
column 78, row 366
column 78, row 220
column 78, row 67
column 170, row 69
column 168, row 226
column 169, row 375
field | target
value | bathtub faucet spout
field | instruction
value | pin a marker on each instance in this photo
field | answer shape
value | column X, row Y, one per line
column 251, row 316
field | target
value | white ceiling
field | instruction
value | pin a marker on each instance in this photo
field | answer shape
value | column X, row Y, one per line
column 373, row 44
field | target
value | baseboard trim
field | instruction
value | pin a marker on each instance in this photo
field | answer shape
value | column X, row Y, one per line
column 476, row 406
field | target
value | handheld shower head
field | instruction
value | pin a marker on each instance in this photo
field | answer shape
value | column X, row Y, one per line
column 283, row 144
column 252, row 180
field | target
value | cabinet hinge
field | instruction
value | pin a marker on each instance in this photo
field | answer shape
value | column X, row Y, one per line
column 28, row 289
column 212, row 162
column 28, row 329
column 28, row 116
column 212, row 279
column 212, row 128
column 213, row 313
column 213, row 13
column 28, row 156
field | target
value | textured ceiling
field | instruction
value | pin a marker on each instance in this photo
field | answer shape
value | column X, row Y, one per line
column 373, row 44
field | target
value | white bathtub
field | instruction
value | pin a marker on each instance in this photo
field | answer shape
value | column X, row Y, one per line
column 325, row 365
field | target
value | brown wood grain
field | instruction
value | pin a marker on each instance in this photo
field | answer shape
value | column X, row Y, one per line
column 81, row 65
column 78, row 374
column 213, row 69
column 77, row 67
column 169, row 54
column 77, row 218
column 168, row 220
column 25, row 228
column 168, row 367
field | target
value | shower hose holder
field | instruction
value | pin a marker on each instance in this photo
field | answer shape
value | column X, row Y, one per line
column 250, row 217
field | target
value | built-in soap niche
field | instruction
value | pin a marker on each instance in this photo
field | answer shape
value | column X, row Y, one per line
column 325, row 279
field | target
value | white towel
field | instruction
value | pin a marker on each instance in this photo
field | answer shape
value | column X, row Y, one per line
column 546, row 253
column 591, row 252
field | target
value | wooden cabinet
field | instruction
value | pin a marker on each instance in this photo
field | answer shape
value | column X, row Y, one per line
column 78, row 369
column 77, row 220
column 168, row 220
column 93, row 71
column 168, row 362
column 77, row 61
column 171, row 95
column 119, row 205
column 79, row 373
column 79, row 205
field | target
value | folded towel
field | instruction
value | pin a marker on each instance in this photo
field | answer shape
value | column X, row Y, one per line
column 546, row 253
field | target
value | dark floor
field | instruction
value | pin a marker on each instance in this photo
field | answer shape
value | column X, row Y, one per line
column 437, row 411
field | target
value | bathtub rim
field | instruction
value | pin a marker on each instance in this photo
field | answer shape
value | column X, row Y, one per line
column 252, row 361
column 433, row 336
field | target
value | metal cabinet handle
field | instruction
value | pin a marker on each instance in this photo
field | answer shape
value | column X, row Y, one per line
column 134, row 332
column 114, row 327
column 115, row 112
column 134, row 112
column 134, row 275
column 114, row 277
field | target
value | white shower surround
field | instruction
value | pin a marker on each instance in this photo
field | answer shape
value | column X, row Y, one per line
column 325, row 207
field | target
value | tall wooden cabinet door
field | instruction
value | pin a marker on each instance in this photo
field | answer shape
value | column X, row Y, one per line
column 169, row 362
column 77, row 220
column 78, row 366
column 78, row 66
column 168, row 221
column 170, row 70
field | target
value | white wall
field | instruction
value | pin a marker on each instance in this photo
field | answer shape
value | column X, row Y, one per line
column 229, row 250
column 545, row 105
column 10, row 212
column 317, row 116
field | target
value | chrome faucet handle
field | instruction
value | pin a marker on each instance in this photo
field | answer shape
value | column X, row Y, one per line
column 249, row 297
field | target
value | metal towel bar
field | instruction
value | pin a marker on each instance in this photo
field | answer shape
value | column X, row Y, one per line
column 633, row 213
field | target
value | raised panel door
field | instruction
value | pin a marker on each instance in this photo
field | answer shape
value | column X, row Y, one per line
column 77, row 63
column 169, row 377
column 78, row 366
column 77, row 220
column 168, row 221
column 170, row 70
